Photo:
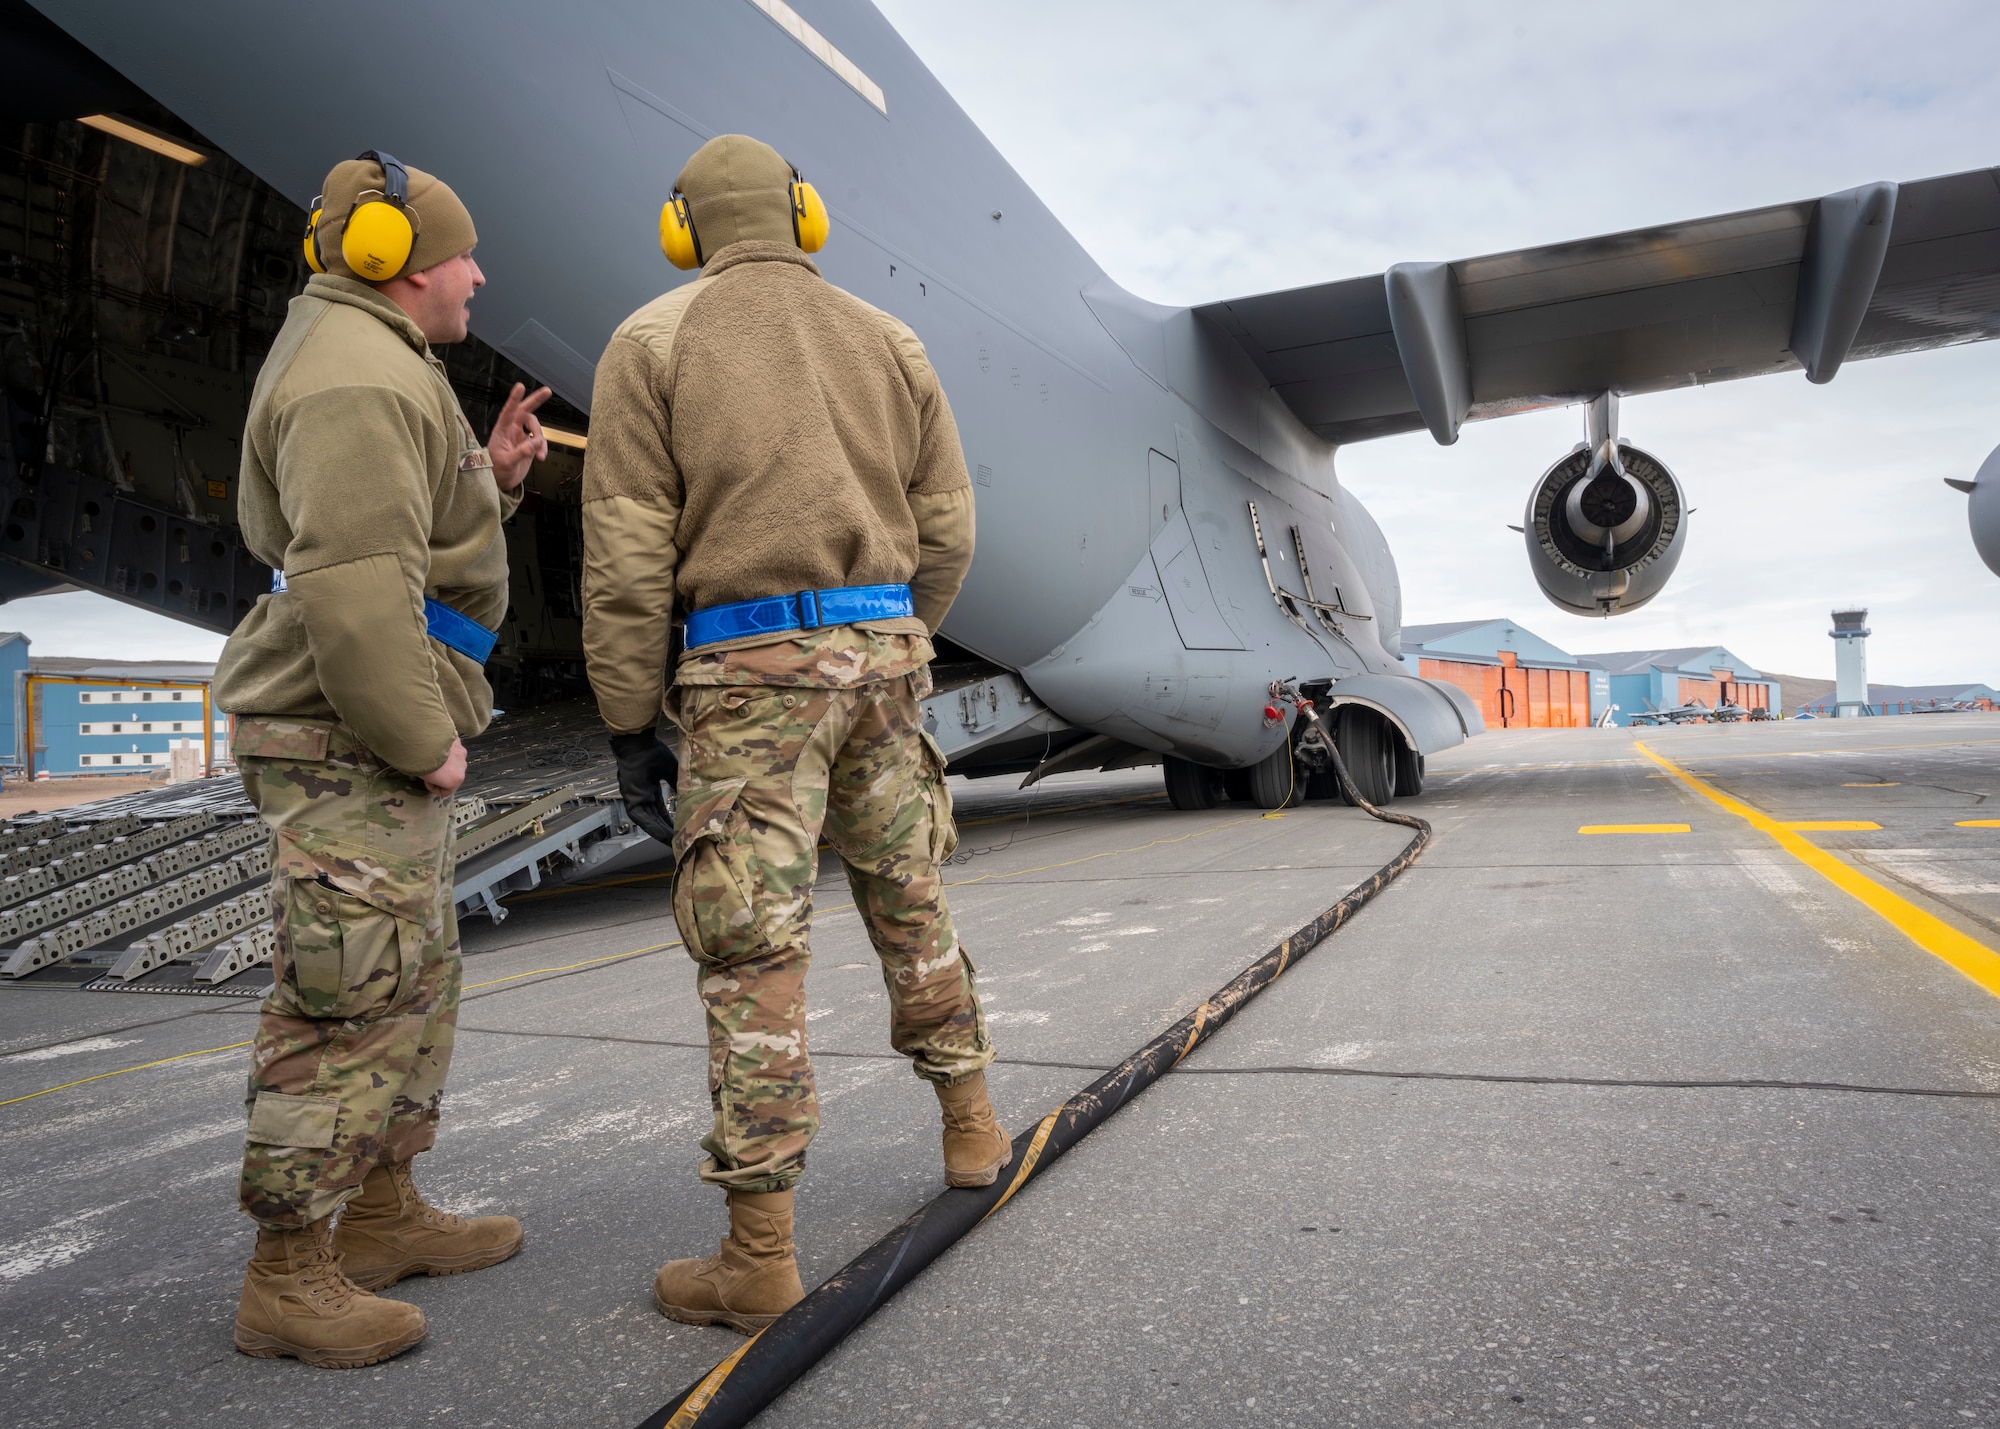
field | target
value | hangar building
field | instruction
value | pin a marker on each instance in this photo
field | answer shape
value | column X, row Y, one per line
column 1518, row 679
column 1661, row 679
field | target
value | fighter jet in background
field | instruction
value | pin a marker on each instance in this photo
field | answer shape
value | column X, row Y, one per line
column 1162, row 532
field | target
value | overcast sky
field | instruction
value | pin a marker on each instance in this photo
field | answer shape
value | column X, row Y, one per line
column 1203, row 151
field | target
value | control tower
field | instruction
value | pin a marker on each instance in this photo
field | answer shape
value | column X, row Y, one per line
column 1850, row 663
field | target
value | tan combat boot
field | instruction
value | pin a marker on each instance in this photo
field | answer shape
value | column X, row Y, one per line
column 975, row 1146
column 296, row 1302
column 388, row 1231
column 750, row 1281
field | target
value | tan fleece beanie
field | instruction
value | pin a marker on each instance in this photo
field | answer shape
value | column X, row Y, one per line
column 737, row 188
column 444, row 228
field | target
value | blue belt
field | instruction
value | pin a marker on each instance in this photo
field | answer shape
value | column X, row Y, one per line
column 461, row 632
column 808, row 610
column 444, row 625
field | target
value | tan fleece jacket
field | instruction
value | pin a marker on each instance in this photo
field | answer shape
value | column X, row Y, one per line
column 760, row 432
column 363, row 482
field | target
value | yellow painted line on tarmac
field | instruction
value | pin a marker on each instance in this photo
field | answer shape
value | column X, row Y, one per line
column 80, row 1081
column 1882, row 784
column 1636, row 829
column 1977, row 824
column 1935, row 936
column 1831, row 826
column 1108, row 853
column 572, row 967
column 233, row 1046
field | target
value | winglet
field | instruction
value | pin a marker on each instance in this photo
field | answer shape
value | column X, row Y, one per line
column 1429, row 324
column 1845, row 244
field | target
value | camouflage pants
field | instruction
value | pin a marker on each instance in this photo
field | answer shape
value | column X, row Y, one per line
column 764, row 771
column 355, row 1036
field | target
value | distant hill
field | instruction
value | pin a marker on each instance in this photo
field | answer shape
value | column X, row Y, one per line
column 1796, row 690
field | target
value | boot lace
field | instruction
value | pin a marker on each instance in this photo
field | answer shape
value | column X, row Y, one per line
column 409, row 1195
column 321, row 1278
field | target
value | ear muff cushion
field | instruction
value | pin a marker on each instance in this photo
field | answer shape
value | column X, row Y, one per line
column 810, row 223
column 377, row 240
column 311, row 244
column 677, row 235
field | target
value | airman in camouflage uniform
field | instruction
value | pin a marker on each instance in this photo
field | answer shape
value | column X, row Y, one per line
column 758, row 433
column 364, row 486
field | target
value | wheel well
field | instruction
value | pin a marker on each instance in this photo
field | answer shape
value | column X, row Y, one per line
column 1334, row 701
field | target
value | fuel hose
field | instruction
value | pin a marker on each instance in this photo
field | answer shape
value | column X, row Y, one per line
column 764, row 1366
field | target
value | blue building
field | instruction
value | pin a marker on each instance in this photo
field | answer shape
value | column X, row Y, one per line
column 1663, row 679
column 92, row 717
column 13, row 665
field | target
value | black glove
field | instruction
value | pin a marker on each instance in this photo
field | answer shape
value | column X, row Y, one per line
column 643, row 765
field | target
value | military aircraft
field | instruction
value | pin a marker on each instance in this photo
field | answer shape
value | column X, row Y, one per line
column 1163, row 534
column 1693, row 712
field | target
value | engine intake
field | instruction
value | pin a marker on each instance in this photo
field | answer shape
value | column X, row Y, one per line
column 1604, row 528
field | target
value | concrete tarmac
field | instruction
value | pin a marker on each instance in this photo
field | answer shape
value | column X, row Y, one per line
column 1564, row 1128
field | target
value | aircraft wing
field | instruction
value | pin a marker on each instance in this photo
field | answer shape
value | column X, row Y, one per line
column 1881, row 269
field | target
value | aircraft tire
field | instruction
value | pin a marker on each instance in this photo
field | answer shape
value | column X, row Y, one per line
column 1368, row 746
column 1192, row 786
column 1274, row 783
column 1409, row 771
column 1236, row 785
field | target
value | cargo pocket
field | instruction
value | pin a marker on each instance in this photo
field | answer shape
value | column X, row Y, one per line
column 345, row 958
column 712, row 885
column 944, row 832
column 280, row 1119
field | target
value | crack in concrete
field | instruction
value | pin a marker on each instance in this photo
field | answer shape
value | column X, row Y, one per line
column 1489, row 1078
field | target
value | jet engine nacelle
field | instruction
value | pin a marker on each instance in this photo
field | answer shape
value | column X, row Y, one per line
column 1983, row 510
column 1605, row 528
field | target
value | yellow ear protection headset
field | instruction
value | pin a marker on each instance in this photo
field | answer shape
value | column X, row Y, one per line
column 381, row 228
column 682, row 245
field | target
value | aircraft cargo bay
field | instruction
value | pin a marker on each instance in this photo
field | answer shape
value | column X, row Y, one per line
column 1669, row 1127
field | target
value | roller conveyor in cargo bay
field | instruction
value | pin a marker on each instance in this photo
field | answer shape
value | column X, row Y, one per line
column 168, row 890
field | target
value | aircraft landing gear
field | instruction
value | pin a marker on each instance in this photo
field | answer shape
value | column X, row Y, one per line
column 1381, row 765
column 1277, row 781
column 1369, row 748
column 1409, row 771
column 1192, row 786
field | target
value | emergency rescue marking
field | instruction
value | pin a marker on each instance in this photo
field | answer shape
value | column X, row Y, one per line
column 738, row 1389
column 1932, row 934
